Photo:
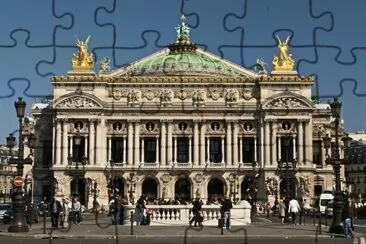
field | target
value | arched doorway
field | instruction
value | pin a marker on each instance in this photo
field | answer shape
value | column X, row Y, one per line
column 77, row 189
column 119, row 185
column 182, row 190
column 215, row 189
column 150, row 189
column 291, row 186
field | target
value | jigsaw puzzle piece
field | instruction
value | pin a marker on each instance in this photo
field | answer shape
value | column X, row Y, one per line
column 260, row 19
column 128, row 14
column 346, row 32
column 17, row 14
column 83, row 19
column 330, row 84
column 21, row 61
column 208, row 26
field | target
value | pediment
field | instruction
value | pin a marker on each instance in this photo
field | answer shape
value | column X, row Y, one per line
column 287, row 101
column 78, row 102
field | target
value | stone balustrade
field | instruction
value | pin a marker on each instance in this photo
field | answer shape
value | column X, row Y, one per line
column 181, row 214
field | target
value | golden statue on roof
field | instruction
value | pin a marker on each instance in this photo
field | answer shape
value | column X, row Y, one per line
column 82, row 61
column 283, row 61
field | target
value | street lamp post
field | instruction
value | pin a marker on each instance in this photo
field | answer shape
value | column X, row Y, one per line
column 338, row 204
column 132, row 188
column 76, row 172
column 95, row 195
column 19, row 223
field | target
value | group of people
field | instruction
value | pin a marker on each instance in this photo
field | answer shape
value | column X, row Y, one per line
column 224, row 221
column 116, row 209
column 294, row 209
column 64, row 212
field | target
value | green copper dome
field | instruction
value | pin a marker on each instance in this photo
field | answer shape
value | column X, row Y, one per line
column 183, row 58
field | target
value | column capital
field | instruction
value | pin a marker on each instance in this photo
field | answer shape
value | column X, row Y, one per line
column 272, row 120
column 303, row 120
column 196, row 120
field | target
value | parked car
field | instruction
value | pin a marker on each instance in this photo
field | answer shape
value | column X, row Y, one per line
column 3, row 209
column 31, row 215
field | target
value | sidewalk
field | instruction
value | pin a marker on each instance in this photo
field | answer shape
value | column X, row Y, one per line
column 88, row 229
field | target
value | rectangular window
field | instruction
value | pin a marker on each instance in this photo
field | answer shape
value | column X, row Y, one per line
column 287, row 149
column 150, row 149
column 117, row 150
column 47, row 152
column 248, row 149
column 317, row 152
column 182, row 149
column 78, row 151
column 215, row 150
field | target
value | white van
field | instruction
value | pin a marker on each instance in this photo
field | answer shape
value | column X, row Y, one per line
column 324, row 199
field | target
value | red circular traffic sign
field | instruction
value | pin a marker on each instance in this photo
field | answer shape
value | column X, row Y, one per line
column 18, row 181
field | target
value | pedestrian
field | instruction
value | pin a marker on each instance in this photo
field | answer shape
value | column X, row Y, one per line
column 294, row 209
column 347, row 220
column 282, row 211
column 122, row 211
column 196, row 209
column 226, row 207
column 302, row 211
column 55, row 209
column 76, row 211
column 114, row 207
column 140, row 208
column 353, row 211
column 64, row 213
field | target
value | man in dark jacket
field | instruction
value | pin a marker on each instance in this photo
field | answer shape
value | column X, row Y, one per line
column 197, row 218
column 55, row 209
column 226, row 206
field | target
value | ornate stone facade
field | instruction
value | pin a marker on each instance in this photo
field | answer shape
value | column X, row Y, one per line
column 178, row 135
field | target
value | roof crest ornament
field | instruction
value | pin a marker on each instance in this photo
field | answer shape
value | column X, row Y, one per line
column 183, row 31
column 283, row 63
column 82, row 61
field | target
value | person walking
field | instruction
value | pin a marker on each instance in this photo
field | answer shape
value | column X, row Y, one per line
column 282, row 211
column 226, row 207
column 76, row 211
column 140, row 208
column 55, row 209
column 302, row 211
column 197, row 207
column 347, row 220
column 114, row 207
column 294, row 209
column 353, row 211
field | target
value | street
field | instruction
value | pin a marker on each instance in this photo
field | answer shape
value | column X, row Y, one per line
column 160, row 240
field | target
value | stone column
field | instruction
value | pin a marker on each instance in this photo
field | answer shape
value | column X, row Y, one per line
column 190, row 149
column 261, row 144
column 324, row 153
column 98, row 144
column 163, row 143
column 103, row 145
column 130, row 143
column 124, row 150
column 274, row 141
column 279, row 147
column 255, row 149
column 235, row 143
column 91, row 142
column 203, row 144
column 157, row 150
column 228, row 145
column 241, row 149
column 170, row 144
column 195, row 143
column 308, row 142
column 208, row 150
column 175, row 150
column 294, row 147
column 71, row 139
column 109, row 149
column 137, row 144
column 65, row 144
column 58, row 142
column 300, row 140
column 266, row 143
column 86, row 153
column 54, row 135
column 142, row 150
column 223, row 149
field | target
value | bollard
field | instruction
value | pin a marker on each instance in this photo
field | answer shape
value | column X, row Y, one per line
column 313, row 218
column 222, row 223
column 131, row 223
column 320, row 224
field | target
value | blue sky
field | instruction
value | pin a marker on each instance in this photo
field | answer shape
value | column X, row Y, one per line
column 38, row 39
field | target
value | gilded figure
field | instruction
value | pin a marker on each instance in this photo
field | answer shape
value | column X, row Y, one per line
column 283, row 61
column 83, row 60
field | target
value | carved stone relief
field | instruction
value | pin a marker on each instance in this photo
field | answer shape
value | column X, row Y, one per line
column 231, row 96
column 215, row 94
column 78, row 102
column 199, row 97
column 287, row 102
column 133, row 97
column 166, row 96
